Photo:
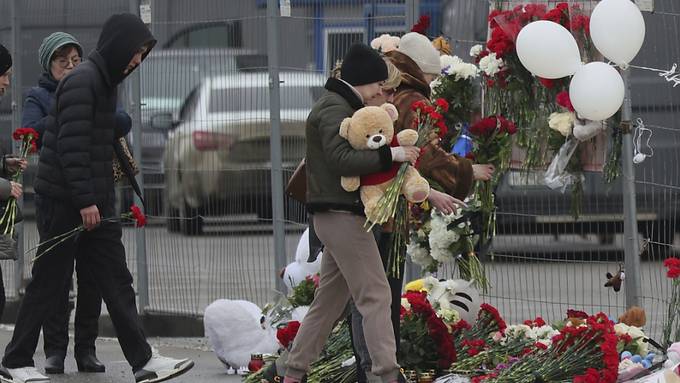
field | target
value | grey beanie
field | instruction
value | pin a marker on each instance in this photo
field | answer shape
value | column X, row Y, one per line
column 53, row 42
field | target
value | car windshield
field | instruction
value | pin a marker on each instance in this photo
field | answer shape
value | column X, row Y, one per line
column 257, row 98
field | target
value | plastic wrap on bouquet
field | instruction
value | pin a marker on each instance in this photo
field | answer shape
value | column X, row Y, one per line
column 8, row 247
column 452, row 378
column 463, row 145
column 556, row 177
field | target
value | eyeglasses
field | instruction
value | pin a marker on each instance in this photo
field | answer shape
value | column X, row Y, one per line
column 63, row 62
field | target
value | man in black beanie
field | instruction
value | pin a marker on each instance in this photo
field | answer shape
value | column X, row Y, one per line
column 5, row 69
column 351, row 265
column 75, row 187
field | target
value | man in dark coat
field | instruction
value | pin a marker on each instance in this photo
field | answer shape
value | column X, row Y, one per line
column 75, row 186
column 59, row 54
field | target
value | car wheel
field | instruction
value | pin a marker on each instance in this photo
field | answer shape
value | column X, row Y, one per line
column 191, row 222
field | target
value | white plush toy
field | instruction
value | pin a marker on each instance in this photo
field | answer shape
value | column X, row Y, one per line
column 587, row 130
column 454, row 294
column 298, row 270
column 235, row 329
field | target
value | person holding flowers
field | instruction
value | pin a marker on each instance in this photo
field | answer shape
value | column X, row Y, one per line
column 59, row 54
column 75, row 187
column 351, row 265
column 10, row 164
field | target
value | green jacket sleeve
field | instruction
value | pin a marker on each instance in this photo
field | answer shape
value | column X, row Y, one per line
column 341, row 158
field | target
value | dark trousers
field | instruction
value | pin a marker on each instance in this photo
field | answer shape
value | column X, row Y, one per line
column 100, row 253
column 2, row 295
column 89, row 306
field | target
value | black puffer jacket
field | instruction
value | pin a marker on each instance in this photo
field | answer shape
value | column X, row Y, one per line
column 76, row 159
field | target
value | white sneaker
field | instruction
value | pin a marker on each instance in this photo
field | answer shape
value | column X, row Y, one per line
column 22, row 375
column 160, row 368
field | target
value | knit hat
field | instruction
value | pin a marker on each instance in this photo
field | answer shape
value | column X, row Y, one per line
column 362, row 65
column 419, row 49
column 53, row 42
column 5, row 60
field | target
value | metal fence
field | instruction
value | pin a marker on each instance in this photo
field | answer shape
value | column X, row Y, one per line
column 202, row 135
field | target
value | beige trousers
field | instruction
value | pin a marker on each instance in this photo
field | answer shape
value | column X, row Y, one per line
column 351, row 267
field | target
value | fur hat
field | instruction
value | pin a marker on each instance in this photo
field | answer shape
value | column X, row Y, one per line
column 419, row 49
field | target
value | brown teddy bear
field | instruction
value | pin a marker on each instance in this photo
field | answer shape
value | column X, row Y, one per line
column 368, row 129
column 634, row 316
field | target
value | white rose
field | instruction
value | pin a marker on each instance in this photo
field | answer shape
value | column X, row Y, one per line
column 476, row 50
column 562, row 122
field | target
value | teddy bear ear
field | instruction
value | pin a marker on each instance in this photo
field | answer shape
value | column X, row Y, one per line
column 391, row 110
column 344, row 127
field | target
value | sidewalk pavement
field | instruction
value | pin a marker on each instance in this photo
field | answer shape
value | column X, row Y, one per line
column 207, row 368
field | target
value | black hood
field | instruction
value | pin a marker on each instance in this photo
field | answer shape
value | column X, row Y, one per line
column 122, row 36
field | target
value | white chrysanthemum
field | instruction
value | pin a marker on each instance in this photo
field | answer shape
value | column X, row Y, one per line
column 545, row 332
column 518, row 331
column 476, row 50
column 447, row 61
column 419, row 255
column 562, row 122
column 491, row 65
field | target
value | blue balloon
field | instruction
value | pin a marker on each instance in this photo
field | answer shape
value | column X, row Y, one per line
column 626, row 355
column 636, row 359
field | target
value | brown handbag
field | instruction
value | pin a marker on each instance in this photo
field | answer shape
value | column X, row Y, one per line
column 118, row 171
column 296, row 188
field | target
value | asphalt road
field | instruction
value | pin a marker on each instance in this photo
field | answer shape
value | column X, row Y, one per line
column 207, row 368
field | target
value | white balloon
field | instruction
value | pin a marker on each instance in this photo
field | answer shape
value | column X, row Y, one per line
column 596, row 91
column 618, row 30
column 548, row 50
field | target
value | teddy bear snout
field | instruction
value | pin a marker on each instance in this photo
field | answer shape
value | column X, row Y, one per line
column 376, row 141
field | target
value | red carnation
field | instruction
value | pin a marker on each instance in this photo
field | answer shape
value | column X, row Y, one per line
column 138, row 216
column 422, row 25
column 546, row 82
column 420, row 104
column 442, row 104
column 564, row 100
column 576, row 314
column 673, row 266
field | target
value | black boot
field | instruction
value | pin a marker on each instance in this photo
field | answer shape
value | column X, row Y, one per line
column 88, row 362
column 54, row 364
